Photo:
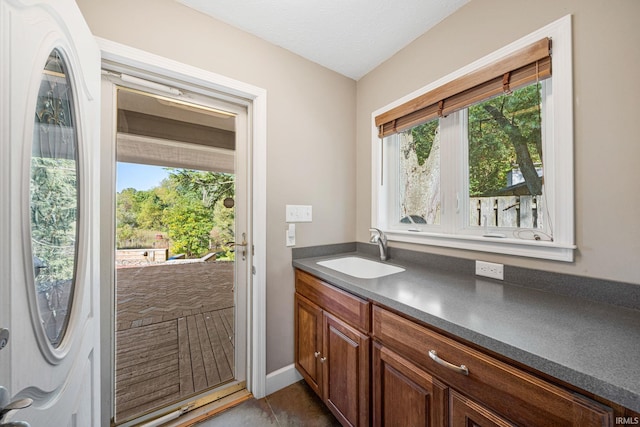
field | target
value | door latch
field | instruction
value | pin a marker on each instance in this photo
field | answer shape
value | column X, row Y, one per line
column 243, row 244
column 4, row 338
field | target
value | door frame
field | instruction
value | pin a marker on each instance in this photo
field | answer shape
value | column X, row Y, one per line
column 163, row 70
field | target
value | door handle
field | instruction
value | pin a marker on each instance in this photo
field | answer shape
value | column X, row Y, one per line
column 6, row 406
column 15, row 424
column 4, row 338
column 244, row 241
column 243, row 244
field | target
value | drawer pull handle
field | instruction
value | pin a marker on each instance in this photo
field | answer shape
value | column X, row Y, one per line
column 462, row 369
column 316, row 354
column 323, row 359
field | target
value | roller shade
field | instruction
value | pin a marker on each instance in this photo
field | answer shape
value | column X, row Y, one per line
column 525, row 66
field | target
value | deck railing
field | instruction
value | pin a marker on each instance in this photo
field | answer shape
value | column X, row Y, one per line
column 507, row 211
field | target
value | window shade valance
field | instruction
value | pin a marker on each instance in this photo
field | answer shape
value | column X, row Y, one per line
column 525, row 66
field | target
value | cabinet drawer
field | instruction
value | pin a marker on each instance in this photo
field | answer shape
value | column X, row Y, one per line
column 509, row 391
column 348, row 307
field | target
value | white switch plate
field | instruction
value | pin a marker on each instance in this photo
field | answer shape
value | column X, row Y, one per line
column 298, row 213
column 291, row 235
column 490, row 269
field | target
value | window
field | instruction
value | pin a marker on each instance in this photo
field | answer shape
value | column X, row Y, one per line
column 483, row 158
column 505, row 170
column 53, row 195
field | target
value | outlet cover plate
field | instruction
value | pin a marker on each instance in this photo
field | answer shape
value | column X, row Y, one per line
column 490, row 269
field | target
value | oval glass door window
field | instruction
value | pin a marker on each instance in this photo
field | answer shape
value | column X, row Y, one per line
column 54, row 198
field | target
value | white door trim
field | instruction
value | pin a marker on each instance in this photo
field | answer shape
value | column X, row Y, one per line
column 255, row 98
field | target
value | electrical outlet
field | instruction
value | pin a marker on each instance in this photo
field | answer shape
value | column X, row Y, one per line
column 490, row 269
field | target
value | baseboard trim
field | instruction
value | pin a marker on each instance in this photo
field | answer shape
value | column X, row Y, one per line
column 282, row 378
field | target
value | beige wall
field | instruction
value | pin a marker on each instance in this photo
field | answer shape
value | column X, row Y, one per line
column 314, row 116
column 606, row 40
column 310, row 130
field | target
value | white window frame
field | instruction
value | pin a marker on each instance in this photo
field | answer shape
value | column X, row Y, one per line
column 453, row 231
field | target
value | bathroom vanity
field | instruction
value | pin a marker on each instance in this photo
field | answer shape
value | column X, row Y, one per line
column 442, row 348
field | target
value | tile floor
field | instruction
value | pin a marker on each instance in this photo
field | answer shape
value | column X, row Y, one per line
column 296, row 405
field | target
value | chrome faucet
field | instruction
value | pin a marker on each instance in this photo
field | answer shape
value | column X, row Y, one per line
column 381, row 240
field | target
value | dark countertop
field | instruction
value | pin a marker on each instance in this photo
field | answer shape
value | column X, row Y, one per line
column 591, row 345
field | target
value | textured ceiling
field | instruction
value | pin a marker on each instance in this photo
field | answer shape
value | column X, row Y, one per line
column 351, row 37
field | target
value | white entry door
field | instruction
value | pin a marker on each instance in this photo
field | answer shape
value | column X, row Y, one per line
column 49, row 216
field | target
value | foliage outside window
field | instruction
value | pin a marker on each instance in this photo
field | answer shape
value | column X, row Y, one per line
column 504, row 145
column 419, row 175
column 185, row 212
column 54, row 199
column 505, row 161
column 494, row 175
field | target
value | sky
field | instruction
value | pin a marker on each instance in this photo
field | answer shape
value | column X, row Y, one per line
column 140, row 177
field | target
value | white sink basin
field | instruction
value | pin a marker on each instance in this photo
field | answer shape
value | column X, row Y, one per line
column 360, row 267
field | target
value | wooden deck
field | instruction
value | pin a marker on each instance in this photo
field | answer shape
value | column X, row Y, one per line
column 174, row 334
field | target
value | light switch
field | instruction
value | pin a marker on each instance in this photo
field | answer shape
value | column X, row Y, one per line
column 298, row 213
column 291, row 235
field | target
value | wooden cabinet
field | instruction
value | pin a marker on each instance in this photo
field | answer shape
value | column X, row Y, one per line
column 464, row 412
column 345, row 353
column 404, row 394
column 484, row 391
column 371, row 365
column 332, row 347
column 308, row 342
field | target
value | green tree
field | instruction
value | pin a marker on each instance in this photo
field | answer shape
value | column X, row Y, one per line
column 150, row 214
column 187, row 206
column 422, row 140
column 128, row 206
column 223, row 229
column 189, row 223
column 504, row 132
column 209, row 187
column 204, row 191
column 54, row 210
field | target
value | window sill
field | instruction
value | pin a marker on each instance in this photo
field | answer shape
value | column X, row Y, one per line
column 509, row 246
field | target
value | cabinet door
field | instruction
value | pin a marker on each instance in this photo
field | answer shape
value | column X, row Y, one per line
column 405, row 395
column 467, row 413
column 345, row 358
column 511, row 392
column 308, row 342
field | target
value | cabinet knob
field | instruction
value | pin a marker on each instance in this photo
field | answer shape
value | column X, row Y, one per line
column 316, row 354
column 323, row 359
